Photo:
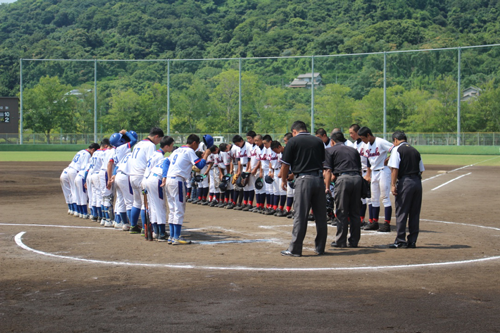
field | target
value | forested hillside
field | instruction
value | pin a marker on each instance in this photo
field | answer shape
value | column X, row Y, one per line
column 422, row 86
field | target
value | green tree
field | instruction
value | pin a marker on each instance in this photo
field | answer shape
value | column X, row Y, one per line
column 49, row 106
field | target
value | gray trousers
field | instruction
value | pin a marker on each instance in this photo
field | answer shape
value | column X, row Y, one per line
column 309, row 193
column 408, row 205
column 348, row 203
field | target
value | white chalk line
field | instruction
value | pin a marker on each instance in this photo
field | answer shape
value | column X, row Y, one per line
column 450, row 181
column 56, row 226
column 19, row 242
column 457, row 169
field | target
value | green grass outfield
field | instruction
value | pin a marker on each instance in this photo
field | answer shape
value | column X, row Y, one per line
column 47, row 156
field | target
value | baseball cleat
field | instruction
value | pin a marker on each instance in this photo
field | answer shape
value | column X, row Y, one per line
column 169, row 241
column 126, row 227
column 103, row 221
column 371, row 226
column 70, row 212
column 386, row 227
column 135, row 230
column 230, row 206
column 162, row 238
column 76, row 214
column 108, row 224
column 180, row 241
column 119, row 226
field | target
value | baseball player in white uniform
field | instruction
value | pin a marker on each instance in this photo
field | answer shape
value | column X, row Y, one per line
column 140, row 156
column 256, row 172
column 361, row 147
column 155, row 192
column 181, row 163
column 280, row 195
column 237, row 191
column 224, row 166
column 214, row 176
column 66, row 188
column 379, row 174
column 265, row 161
column 79, row 163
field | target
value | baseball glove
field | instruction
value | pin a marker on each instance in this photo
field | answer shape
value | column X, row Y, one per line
column 235, row 178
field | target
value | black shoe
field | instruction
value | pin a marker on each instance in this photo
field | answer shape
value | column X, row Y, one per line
column 319, row 253
column 290, row 254
column 363, row 224
column 310, row 217
column 280, row 213
column 386, row 227
column 189, row 200
column 230, row 206
column 246, row 208
column 270, row 211
column 290, row 215
column 195, row 201
column 411, row 245
column 398, row 245
column 204, row 203
column 352, row 245
column 371, row 226
column 334, row 244
column 213, row 203
column 238, row 207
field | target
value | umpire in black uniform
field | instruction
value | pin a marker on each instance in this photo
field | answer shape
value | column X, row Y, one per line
column 406, row 184
column 305, row 154
column 343, row 164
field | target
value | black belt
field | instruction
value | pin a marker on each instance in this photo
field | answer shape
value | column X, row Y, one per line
column 379, row 169
column 409, row 175
column 351, row 173
column 311, row 173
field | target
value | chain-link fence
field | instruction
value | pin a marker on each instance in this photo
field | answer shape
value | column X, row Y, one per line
column 425, row 139
column 437, row 90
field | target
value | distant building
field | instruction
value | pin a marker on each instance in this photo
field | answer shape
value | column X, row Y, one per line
column 304, row 81
column 470, row 93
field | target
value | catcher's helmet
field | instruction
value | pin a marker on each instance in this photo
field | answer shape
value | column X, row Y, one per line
column 259, row 184
column 116, row 140
column 292, row 184
column 208, row 140
column 268, row 179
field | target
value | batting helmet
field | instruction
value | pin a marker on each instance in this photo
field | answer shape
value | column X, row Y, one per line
column 268, row 179
column 245, row 175
column 116, row 140
column 292, row 184
column 209, row 141
column 259, row 184
column 199, row 178
column 240, row 182
column 223, row 186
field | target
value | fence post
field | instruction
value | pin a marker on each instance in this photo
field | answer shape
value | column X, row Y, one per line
column 312, row 94
column 385, row 96
column 95, row 100
column 458, row 96
column 168, row 97
column 239, row 97
column 21, row 102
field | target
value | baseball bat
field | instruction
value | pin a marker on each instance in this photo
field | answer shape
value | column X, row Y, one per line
column 148, row 233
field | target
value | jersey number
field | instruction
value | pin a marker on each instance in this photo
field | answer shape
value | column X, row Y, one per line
column 175, row 159
column 136, row 152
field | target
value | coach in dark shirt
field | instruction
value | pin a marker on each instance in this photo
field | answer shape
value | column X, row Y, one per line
column 406, row 184
column 305, row 154
column 343, row 164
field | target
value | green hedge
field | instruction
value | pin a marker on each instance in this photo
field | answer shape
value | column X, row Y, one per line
column 459, row 150
column 450, row 150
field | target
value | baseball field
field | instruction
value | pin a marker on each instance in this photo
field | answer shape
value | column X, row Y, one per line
column 64, row 274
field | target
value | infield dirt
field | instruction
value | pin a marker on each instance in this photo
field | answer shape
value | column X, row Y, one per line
column 346, row 290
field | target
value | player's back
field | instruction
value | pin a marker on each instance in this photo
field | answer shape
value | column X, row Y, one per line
column 140, row 155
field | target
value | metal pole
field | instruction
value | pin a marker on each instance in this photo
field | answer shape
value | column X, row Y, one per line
column 385, row 96
column 239, row 99
column 458, row 96
column 168, row 97
column 95, row 100
column 21, row 102
column 312, row 94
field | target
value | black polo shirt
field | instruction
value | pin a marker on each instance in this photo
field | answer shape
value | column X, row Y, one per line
column 341, row 158
column 410, row 160
column 304, row 153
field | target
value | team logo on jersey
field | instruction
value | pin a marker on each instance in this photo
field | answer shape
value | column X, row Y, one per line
column 376, row 153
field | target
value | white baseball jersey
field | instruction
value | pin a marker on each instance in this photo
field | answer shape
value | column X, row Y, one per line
column 153, row 160
column 273, row 158
column 140, row 156
column 96, row 161
column 265, row 156
column 255, row 156
column 123, row 165
column 349, row 144
column 244, row 153
column 223, row 161
column 182, row 161
column 233, row 153
column 202, row 147
column 377, row 153
column 106, row 157
column 80, row 160
column 120, row 152
column 361, row 148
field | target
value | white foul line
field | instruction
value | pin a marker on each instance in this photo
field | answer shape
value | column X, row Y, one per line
column 19, row 242
column 435, row 188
